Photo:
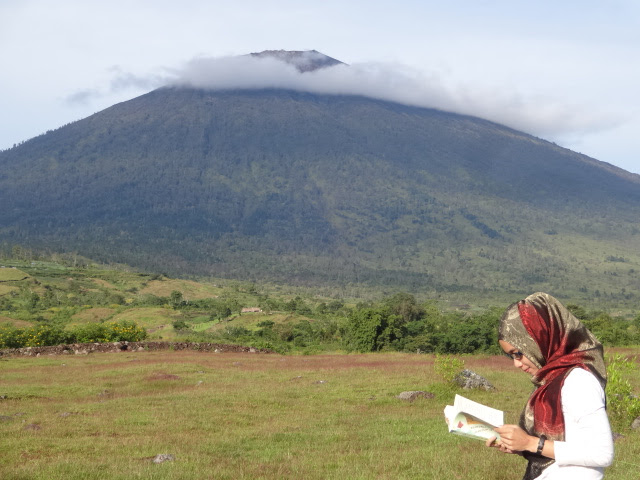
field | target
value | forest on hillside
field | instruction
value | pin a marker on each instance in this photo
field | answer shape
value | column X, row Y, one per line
column 68, row 299
column 326, row 191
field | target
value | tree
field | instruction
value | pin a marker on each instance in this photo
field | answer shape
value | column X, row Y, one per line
column 405, row 306
column 372, row 329
column 175, row 299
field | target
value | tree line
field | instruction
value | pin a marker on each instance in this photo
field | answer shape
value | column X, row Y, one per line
column 397, row 323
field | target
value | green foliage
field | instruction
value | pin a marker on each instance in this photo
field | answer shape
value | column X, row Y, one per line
column 175, row 299
column 109, row 332
column 51, row 294
column 622, row 405
column 372, row 329
column 579, row 312
column 37, row 336
column 48, row 334
column 399, row 323
column 613, row 331
column 478, row 333
column 269, row 304
column 405, row 306
column 180, row 324
column 148, row 300
column 446, row 367
column 220, row 311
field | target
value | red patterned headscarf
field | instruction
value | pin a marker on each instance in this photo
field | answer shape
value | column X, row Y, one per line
column 549, row 335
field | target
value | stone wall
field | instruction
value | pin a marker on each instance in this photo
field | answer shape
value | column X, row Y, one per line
column 115, row 347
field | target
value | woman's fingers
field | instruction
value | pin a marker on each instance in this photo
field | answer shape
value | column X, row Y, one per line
column 513, row 437
column 491, row 442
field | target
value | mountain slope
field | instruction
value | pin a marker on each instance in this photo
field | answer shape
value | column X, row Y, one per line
column 323, row 189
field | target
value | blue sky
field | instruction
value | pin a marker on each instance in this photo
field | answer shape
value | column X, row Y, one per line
column 564, row 71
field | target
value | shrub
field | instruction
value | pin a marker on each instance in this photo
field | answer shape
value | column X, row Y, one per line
column 9, row 336
column 149, row 299
column 447, row 367
column 36, row 336
column 623, row 407
column 176, row 300
column 47, row 335
column 124, row 331
column 180, row 324
column 372, row 329
column 235, row 333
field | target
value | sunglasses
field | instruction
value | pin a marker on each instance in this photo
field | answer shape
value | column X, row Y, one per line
column 515, row 355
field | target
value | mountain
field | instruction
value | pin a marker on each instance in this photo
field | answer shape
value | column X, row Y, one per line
column 304, row 61
column 325, row 190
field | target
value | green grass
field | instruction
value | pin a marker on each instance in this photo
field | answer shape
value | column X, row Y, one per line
column 201, row 327
column 230, row 416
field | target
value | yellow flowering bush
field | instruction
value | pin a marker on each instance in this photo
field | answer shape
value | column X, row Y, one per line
column 46, row 334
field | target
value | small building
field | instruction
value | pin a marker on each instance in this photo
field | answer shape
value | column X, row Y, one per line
column 251, row 310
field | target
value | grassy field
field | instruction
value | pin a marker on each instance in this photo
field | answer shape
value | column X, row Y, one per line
column 10, row 275
column 235, row 416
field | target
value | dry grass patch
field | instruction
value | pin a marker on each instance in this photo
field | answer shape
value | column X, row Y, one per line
column 92, row 315
column 6, row 289
column 12, row 275
column 15, row 322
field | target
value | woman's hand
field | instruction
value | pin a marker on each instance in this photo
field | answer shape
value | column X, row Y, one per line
column 495, row 443
column 515, row 439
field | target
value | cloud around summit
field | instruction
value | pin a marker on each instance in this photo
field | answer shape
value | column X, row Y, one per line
column 547, row 117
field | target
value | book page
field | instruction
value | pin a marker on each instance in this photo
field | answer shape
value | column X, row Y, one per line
column 450, row 413
column 469, row 426
column 490, row 415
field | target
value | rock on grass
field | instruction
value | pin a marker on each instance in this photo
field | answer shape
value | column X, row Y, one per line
column 414, row 395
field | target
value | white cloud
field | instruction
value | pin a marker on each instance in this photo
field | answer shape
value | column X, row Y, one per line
column 83, row 97
column 549, row 117
column 126, row 80
column 120, row 81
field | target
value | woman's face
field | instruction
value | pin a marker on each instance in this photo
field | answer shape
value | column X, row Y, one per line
column 519, row 360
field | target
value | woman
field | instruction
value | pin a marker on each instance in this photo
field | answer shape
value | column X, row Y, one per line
column 563, row 431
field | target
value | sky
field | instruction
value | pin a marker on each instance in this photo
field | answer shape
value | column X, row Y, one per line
column 564, row 71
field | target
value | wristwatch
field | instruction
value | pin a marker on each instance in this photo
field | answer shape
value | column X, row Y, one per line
column 541, row 444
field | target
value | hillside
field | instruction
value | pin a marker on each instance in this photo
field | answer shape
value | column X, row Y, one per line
column 324, row 190
column 70, row 300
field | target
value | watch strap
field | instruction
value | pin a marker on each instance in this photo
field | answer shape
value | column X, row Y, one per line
column 541, row 444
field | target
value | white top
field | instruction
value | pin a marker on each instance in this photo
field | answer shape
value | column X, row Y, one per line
column 588, row 445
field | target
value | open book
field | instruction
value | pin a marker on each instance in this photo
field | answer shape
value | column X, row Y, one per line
column 472, row 419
